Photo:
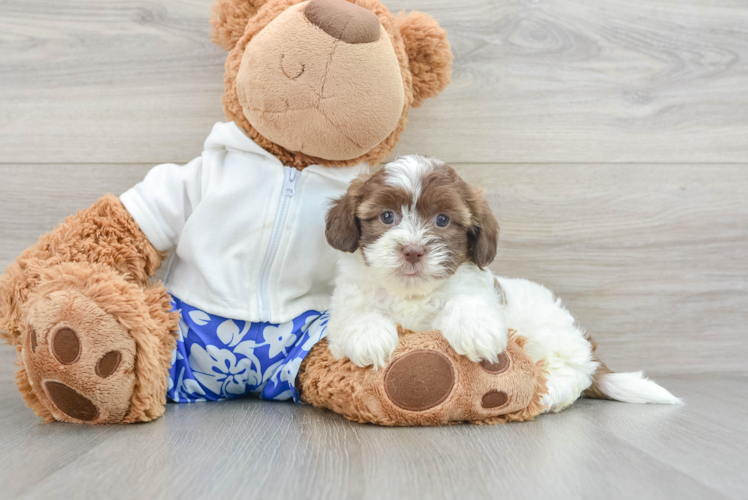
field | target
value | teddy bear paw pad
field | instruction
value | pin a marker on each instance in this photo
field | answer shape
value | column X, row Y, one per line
column 494, row 399
column 66, row 346
column 108, row 364
column 419, row 380
column 499, row 367
column 70, row 402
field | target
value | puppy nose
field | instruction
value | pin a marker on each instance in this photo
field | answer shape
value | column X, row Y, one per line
column 413, row 253
column 343, row 20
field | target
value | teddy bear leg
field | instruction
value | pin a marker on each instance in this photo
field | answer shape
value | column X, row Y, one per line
column 426, row 383
column 96, row 348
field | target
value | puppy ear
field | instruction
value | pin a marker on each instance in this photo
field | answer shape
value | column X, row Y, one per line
column 342, row 227
column 429, row 54
column 483, row 236
column 229, row 18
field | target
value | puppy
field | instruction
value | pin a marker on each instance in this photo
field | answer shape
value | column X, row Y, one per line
column 417, row 240
column 420, row 239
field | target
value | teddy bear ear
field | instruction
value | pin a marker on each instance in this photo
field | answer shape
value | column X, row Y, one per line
column 429, row 53
column 229, row 19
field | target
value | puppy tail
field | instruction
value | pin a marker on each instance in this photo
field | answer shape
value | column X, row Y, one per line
column 629, row 387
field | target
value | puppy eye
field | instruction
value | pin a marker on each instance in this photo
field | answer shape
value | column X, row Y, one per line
column 387, row 218
column 442, row 220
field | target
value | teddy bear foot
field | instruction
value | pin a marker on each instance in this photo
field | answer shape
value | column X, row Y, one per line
column 426, row 383
column 94, row 347
column 79, row 360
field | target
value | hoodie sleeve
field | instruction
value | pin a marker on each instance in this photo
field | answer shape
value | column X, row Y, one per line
column 163, row 202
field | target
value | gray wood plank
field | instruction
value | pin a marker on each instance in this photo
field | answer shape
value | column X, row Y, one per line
column 36, row 198
column 651, row 259
column 589, row 81
column 255, row 449
column 548, row 81
column 107, row 81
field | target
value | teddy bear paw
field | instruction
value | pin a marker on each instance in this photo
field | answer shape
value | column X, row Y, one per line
column 79, row 359
column 432, row 385
column 419, row 380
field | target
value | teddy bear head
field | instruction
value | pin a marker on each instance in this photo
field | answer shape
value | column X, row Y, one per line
column 327, row 81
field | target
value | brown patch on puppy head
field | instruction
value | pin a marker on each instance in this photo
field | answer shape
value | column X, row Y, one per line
column 444, row 193
column 342, row 227
column 484, row 231
column 379, row 197
column 420, row 48
column 471, row 223
column 472, row 232
column 353, row 220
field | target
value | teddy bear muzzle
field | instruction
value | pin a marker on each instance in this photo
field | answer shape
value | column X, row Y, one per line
column 322, row 79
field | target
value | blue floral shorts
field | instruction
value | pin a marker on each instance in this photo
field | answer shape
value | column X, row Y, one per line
column 218, row 358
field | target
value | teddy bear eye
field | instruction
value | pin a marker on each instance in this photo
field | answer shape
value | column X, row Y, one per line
column 387, row 218
column 442, row 220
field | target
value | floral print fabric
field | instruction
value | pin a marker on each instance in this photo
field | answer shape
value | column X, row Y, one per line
column 219, row 358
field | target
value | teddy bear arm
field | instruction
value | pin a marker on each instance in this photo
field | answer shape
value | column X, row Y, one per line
column 103, row 235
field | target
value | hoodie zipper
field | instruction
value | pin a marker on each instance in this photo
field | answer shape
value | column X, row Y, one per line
column 289, row 189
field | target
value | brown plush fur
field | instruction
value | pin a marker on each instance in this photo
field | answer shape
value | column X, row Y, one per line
column 99, row 255
column 229, row 20
column 432, row 70
column 104, row 233
column 359, row 393
column 429, row 55
column 29, row 396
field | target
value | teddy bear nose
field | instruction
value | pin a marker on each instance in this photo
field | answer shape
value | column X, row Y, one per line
column 343, row 20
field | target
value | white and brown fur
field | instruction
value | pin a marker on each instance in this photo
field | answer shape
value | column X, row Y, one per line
column 406, row 269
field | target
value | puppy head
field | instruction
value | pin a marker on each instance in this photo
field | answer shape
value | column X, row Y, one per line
column 415, row 221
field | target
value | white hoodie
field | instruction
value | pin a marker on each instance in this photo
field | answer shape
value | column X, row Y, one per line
column 249, row 233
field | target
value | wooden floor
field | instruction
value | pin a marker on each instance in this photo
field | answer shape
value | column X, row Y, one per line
column 256, row 449
column 611, row 139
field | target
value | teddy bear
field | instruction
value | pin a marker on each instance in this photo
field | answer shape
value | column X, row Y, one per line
column 316, row 92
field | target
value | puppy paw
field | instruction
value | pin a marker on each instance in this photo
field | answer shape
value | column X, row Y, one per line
column 369, row 340
column 474, row 330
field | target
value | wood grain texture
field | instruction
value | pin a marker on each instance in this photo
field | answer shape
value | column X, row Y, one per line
column 651, row 259
column 534, row 81
column 256, row 449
